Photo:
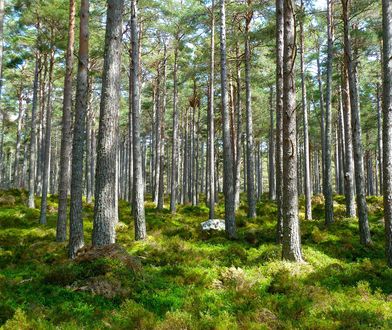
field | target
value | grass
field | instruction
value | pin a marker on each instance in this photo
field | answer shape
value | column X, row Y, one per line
column 193, row 281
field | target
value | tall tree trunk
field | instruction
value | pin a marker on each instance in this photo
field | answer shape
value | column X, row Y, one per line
column 272, row 150
column 307, row 175
column 175, row 153
column 387, row 125
column 228, row 175
column 138, row 186
column 291, row 235
column 33, row 138
column 66, row 134
column 340, row 141
column 250, row 164
column 379, row 138
column 328, row 125
column 21, row 113
column 158, row 126
column 76, row 238
column 1, row 91
column 239, row 130
column 46, row 158
column 279, row 118
column 322, row 115
column 161, row 189
column 364, row 231
column 105, row 189
column 348, row 138
column 211, row 120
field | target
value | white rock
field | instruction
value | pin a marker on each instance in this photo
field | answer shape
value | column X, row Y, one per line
column 213, row 224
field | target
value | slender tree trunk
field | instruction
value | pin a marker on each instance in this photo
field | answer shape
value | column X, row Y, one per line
column 66, row 134
column 349, row 161
column 387, row 125
column 307, row 175
column 175, row 153
column 328, row 125
column 105, row 189
column 379, row 138
column 138, row 186
column 291, row 235
column 364, row 231
column 21, row 114
column 46, row 158
column 272, row 150
column 239, row 130
column 279, row 118
column 33, row 139
column 340, row 142
column 250, row 164
column 228, row 175
column 1, row 87
column 322, row 115
column 76, row 237
column 158, row 126
column 161, row 189
column 211, row 119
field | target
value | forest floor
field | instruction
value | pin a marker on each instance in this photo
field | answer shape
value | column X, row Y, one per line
column 190, row 281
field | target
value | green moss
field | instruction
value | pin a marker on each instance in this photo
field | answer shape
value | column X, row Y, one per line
column 194, row 282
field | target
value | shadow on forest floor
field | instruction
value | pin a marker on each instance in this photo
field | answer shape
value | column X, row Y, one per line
column 193, row 281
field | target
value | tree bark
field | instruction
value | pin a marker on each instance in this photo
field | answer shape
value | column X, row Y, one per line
column 387, row 125
column 379, row 139
column 307, row 175
column 46, row 158
column 105, row 178
column 175, row 153
column 328, row 125
column 271, row 152
column 66, row 134
column 228, row 175
column 33, row 138
column 211, row 120
column 138, row 184
column 250, row 164
column 364, row 231
column 76, row 237
column 291, row 249
column 279, row 118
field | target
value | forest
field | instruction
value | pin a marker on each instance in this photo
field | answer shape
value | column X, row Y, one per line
column 195, row 164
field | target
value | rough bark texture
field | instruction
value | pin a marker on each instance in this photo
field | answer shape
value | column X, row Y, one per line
column 33, row 139
column 348, row 159
column 175, row 154
column 250, row 164
column 211, row 120
column 138, row 182
column 279, row 118
column 76, row 238
column 291, row 235
column 379, row 139
column 328, row 126
column 364, row 231
column 105, row 177
column 238, row 106
column 307, row 176
column 161, row 189
column 271, row 152
column 66, row 135
column 46, row 155
column 228, row 175
column 1, row 87
column 387, row 125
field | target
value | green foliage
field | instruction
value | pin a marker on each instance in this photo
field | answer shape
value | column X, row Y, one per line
column 187, row 282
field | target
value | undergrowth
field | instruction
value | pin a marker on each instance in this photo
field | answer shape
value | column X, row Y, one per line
column 190, row 281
